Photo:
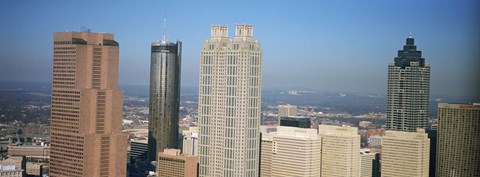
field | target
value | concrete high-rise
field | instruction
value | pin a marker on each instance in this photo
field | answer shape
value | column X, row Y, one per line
column 266, row 147
column 366, row 163
column 408, row 90
column 458, row 145
column 281, row 155
column 229, row 101
column 339, row 151
column 190, row 141
column 164, row 96
column 405, row 154
column 86, row 115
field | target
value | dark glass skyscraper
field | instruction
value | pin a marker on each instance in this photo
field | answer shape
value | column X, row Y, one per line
column 408, row 90
column 164, row 96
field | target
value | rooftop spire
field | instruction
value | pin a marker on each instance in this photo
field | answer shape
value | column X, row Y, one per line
column 165, row 25
column 410, row 40
column 410, row 35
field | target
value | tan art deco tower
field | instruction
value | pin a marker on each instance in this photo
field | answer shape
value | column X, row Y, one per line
column 86, row 116
column 229, row 103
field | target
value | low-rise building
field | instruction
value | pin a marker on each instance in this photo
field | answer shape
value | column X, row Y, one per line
column 34, row 151
column 171, row 163
column 375, row 141
column 34, row 169
column 10, row 170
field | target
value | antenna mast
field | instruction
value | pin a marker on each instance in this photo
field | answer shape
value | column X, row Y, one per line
column 165, row 25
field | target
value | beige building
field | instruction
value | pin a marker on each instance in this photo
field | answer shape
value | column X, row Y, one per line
column 17, row 161
column 9, row 170
column 34, row 169
column 29, row 151
column 190, row 141
column 458, row 144
column 86, row 115
column 290, row 151
column 287, row 110
column 339, row 151
column 366, row 163
column 365, row 124
column 266, row 152
column 405, row 154
column 172, row 164
column 230, row 88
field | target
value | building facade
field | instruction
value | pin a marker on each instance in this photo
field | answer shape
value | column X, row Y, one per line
column 339, row 150
column 287, row 159
column 34, row 169
column 458, row 145
column 171, row 163
column 190, row 141
column 20, row 163
column 137, row 160
column 296, row 121
column 366, row 163
column 229, row 99
column 86, row 112
column 266, row 152
column 41, row 152
column 164, row 96
column 432, row 135
column 405, row 154
column 408, row 90
column 287, row 110
column 10, row 171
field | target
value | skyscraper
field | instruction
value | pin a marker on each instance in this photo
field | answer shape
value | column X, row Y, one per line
column 86, row 127
column 458, row 145
column 164, row 96
column 405, row 154
column 229, row 101
column 340, row 150
column 408, row 90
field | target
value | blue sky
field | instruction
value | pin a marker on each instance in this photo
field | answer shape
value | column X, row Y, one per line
column 326, row 45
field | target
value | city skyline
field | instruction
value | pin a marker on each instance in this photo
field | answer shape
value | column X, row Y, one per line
column 446, row 31
column 231, row 126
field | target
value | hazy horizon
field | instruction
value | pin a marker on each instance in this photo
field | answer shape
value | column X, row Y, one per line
column 325, row 46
